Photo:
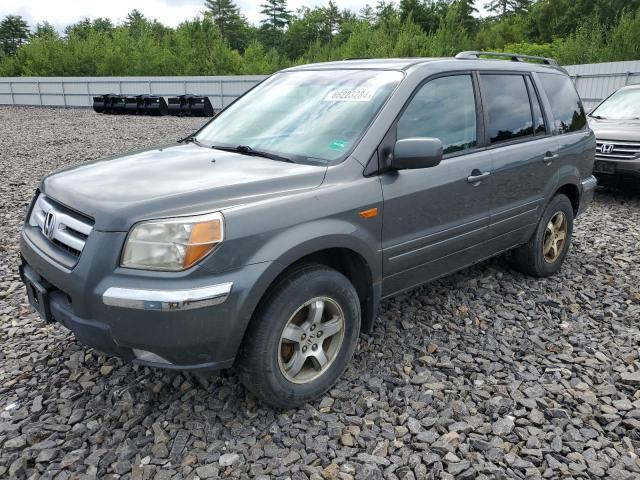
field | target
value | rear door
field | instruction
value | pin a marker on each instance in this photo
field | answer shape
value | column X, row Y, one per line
column 436, row 219
column 575, row 138
column 524, row 152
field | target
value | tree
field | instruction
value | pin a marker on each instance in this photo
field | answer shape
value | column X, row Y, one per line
column 102, row 25
column 224, row 13
column 277, row 14
column 385, row 10
column 14, row 32
column 463, row 11
column 425, row 14
column 232, row 25
column 368, row 14
column 504, row 7
column 136, row 22
column 44, row 30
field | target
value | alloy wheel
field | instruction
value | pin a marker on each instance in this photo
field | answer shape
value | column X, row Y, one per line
column 555, row 237
column 311, row 340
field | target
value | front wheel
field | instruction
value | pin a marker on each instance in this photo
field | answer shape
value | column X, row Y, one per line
column 302, row 337
column 545, row 252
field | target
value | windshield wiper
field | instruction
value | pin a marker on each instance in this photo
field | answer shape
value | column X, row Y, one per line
column 193, row 139
column 599, row 117
column 247, row 150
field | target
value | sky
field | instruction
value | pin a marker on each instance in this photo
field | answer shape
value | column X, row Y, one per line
column 61, row 13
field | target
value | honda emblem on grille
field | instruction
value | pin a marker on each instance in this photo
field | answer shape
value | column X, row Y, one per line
column 49, row 226
column 607, row 147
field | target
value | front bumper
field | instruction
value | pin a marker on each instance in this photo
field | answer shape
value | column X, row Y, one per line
column 192, row 320
column 611, row 171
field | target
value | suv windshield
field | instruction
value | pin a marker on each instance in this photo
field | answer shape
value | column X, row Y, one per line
column 622, row 105
column 312, row 116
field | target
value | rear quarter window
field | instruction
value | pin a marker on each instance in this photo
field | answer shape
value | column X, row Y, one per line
column 566, row 106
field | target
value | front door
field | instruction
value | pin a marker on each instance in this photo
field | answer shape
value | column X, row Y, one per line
column 436, row 220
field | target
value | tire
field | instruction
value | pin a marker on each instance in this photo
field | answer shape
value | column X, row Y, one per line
column 531, row 258
column 267, row 362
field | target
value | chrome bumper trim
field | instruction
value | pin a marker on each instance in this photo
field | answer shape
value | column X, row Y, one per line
column 167, row 300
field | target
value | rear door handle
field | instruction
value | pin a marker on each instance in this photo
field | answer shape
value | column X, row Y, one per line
column 549, row 157
column 477, row 177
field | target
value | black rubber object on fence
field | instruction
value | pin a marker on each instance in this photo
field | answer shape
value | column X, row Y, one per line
column 185, row 105
column 130, row 104
column 99, row 103
column 134, row 105
column 201, row 106
column 154, row 105
column 118, row 104
column 173, row 106
column 190, row 105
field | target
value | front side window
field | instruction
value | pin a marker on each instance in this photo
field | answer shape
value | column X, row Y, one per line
column 622, row 105
column 507, row 101
column 308, row 116
column 444, row 108
column 565, row 103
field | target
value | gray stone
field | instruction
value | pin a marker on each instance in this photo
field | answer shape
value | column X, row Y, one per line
column 228, row 459
column 207, row 471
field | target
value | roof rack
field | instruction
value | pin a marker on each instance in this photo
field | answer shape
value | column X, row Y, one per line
column 515, row 57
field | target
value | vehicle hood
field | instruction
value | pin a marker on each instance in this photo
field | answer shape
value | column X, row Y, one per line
column 177, row 180
column 625, row 130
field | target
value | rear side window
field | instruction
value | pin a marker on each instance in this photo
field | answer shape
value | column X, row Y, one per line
column 444, row 108
column 565, row 104
column 538, row 119
column 507, row 101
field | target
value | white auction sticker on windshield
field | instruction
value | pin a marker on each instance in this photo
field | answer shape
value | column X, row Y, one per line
column 350, row 95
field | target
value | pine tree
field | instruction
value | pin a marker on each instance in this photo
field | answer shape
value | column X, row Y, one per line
column 333, row 16
column 368, row 14
column 45, row 30
column 505, row 7
column 225, row 14
column 277, row 13
column 14, row 32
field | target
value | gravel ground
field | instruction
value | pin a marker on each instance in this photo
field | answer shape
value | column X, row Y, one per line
column 484, row 374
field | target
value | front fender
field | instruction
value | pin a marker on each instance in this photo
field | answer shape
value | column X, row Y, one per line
column 288, row 247
column 294, row 244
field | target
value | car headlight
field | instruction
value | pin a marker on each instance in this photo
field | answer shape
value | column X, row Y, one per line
column 172, row 244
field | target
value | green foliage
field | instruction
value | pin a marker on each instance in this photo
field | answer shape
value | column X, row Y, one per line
column 232, row 25
column 503, row 8
column 14, row 32
column 222, row 42
column 625, row 37
column 276, row 14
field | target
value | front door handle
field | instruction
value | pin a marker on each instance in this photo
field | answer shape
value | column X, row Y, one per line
column 477, row 176
column 549, row 157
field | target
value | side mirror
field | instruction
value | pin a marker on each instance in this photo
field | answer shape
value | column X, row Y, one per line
column 410, row 153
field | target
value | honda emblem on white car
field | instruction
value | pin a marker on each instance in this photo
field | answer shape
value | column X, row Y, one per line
column 607, row 147
column 49, row 226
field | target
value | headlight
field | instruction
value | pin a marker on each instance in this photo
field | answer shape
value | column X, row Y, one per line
column 172, row 244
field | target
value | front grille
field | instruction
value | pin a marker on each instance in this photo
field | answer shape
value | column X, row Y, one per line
column 617, row 150
column 66, row 229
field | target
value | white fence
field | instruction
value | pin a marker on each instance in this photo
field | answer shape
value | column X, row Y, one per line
column 593, row 81
column 78, row 91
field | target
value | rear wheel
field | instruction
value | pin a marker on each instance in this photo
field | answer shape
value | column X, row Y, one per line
column 302, row 337
column 545, row 252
